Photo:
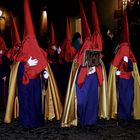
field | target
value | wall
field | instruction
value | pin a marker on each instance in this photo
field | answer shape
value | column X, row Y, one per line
column 105, row 9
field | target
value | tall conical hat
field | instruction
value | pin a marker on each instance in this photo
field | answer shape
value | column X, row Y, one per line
column 67, row 50
column 53, row 38
column 125, row 29
column 96, row 37
column 12, row 54
column 85, row 26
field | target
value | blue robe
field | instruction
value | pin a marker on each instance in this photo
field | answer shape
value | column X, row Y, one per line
column 125, row 92
column 87, row 100
column 30, row 101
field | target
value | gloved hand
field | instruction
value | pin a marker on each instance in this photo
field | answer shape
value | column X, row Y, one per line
column 4, row 78
column 45, row 74
column 125, row 58
column 91, row 70
column 118, row 72
column 54, row 47
column 59, row 50
column 32, row 62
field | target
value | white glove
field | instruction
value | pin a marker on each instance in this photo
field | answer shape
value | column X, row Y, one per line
column 32, row 62
column 91, row 70
column 4, row 78
column 1, row 51
column 125, row 58
column 118, row 72
column 45, row 74
column 59, row 50
column 54, row 47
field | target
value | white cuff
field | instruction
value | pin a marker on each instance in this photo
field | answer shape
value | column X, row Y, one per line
column 91, row 70
column 125, row 58
column 45, row 74
column 118, row 72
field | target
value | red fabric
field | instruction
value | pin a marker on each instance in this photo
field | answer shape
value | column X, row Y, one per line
column 97, row 41
column 14, row 32
column 82, row 76
column 68, row 37
column 125, row 75
column 85, row 26
column 125, row 30
column 3, row 45
column 3, row 48
column 28, row 24
column 13, row 53
column 132, row 57
column 30, row 47
column 79, row 57
column 94, row 43
column 99, row 75
column 95, row 21
column 53, row 38
column 67, row 50
column 122, row 51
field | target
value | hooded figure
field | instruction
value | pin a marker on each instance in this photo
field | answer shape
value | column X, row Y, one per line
column 67, row 50
column 53, row 48
column 124, row 80
column 84, row 100
column 29, row 62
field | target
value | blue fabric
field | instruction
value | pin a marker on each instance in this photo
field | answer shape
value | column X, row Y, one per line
column 30, row 101
column 125, row 98
column 87, row 100
column 76, row 44
column 130, row 65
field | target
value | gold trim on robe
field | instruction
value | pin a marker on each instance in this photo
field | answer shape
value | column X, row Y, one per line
column 53, row 106
column 112, row 95
column 69, row 116
column 136, row 103
column 12, row 98
column 102, row 91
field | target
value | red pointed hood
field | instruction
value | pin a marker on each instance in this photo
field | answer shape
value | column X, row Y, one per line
column 85, row 26
column 14, row 32
column 95, row 21
column 96, row 37
column 87, row 44
column 125, row 29
column 30, row 48
column 68, row 37
column 28, row 24
column 12, row 54
column 53, row 42
column 124, row 45
column 67, row 50
column 53, row 38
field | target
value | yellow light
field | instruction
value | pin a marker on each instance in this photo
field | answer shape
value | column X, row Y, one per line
column 1, row 13
column 44, row 14
column 44, row 21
